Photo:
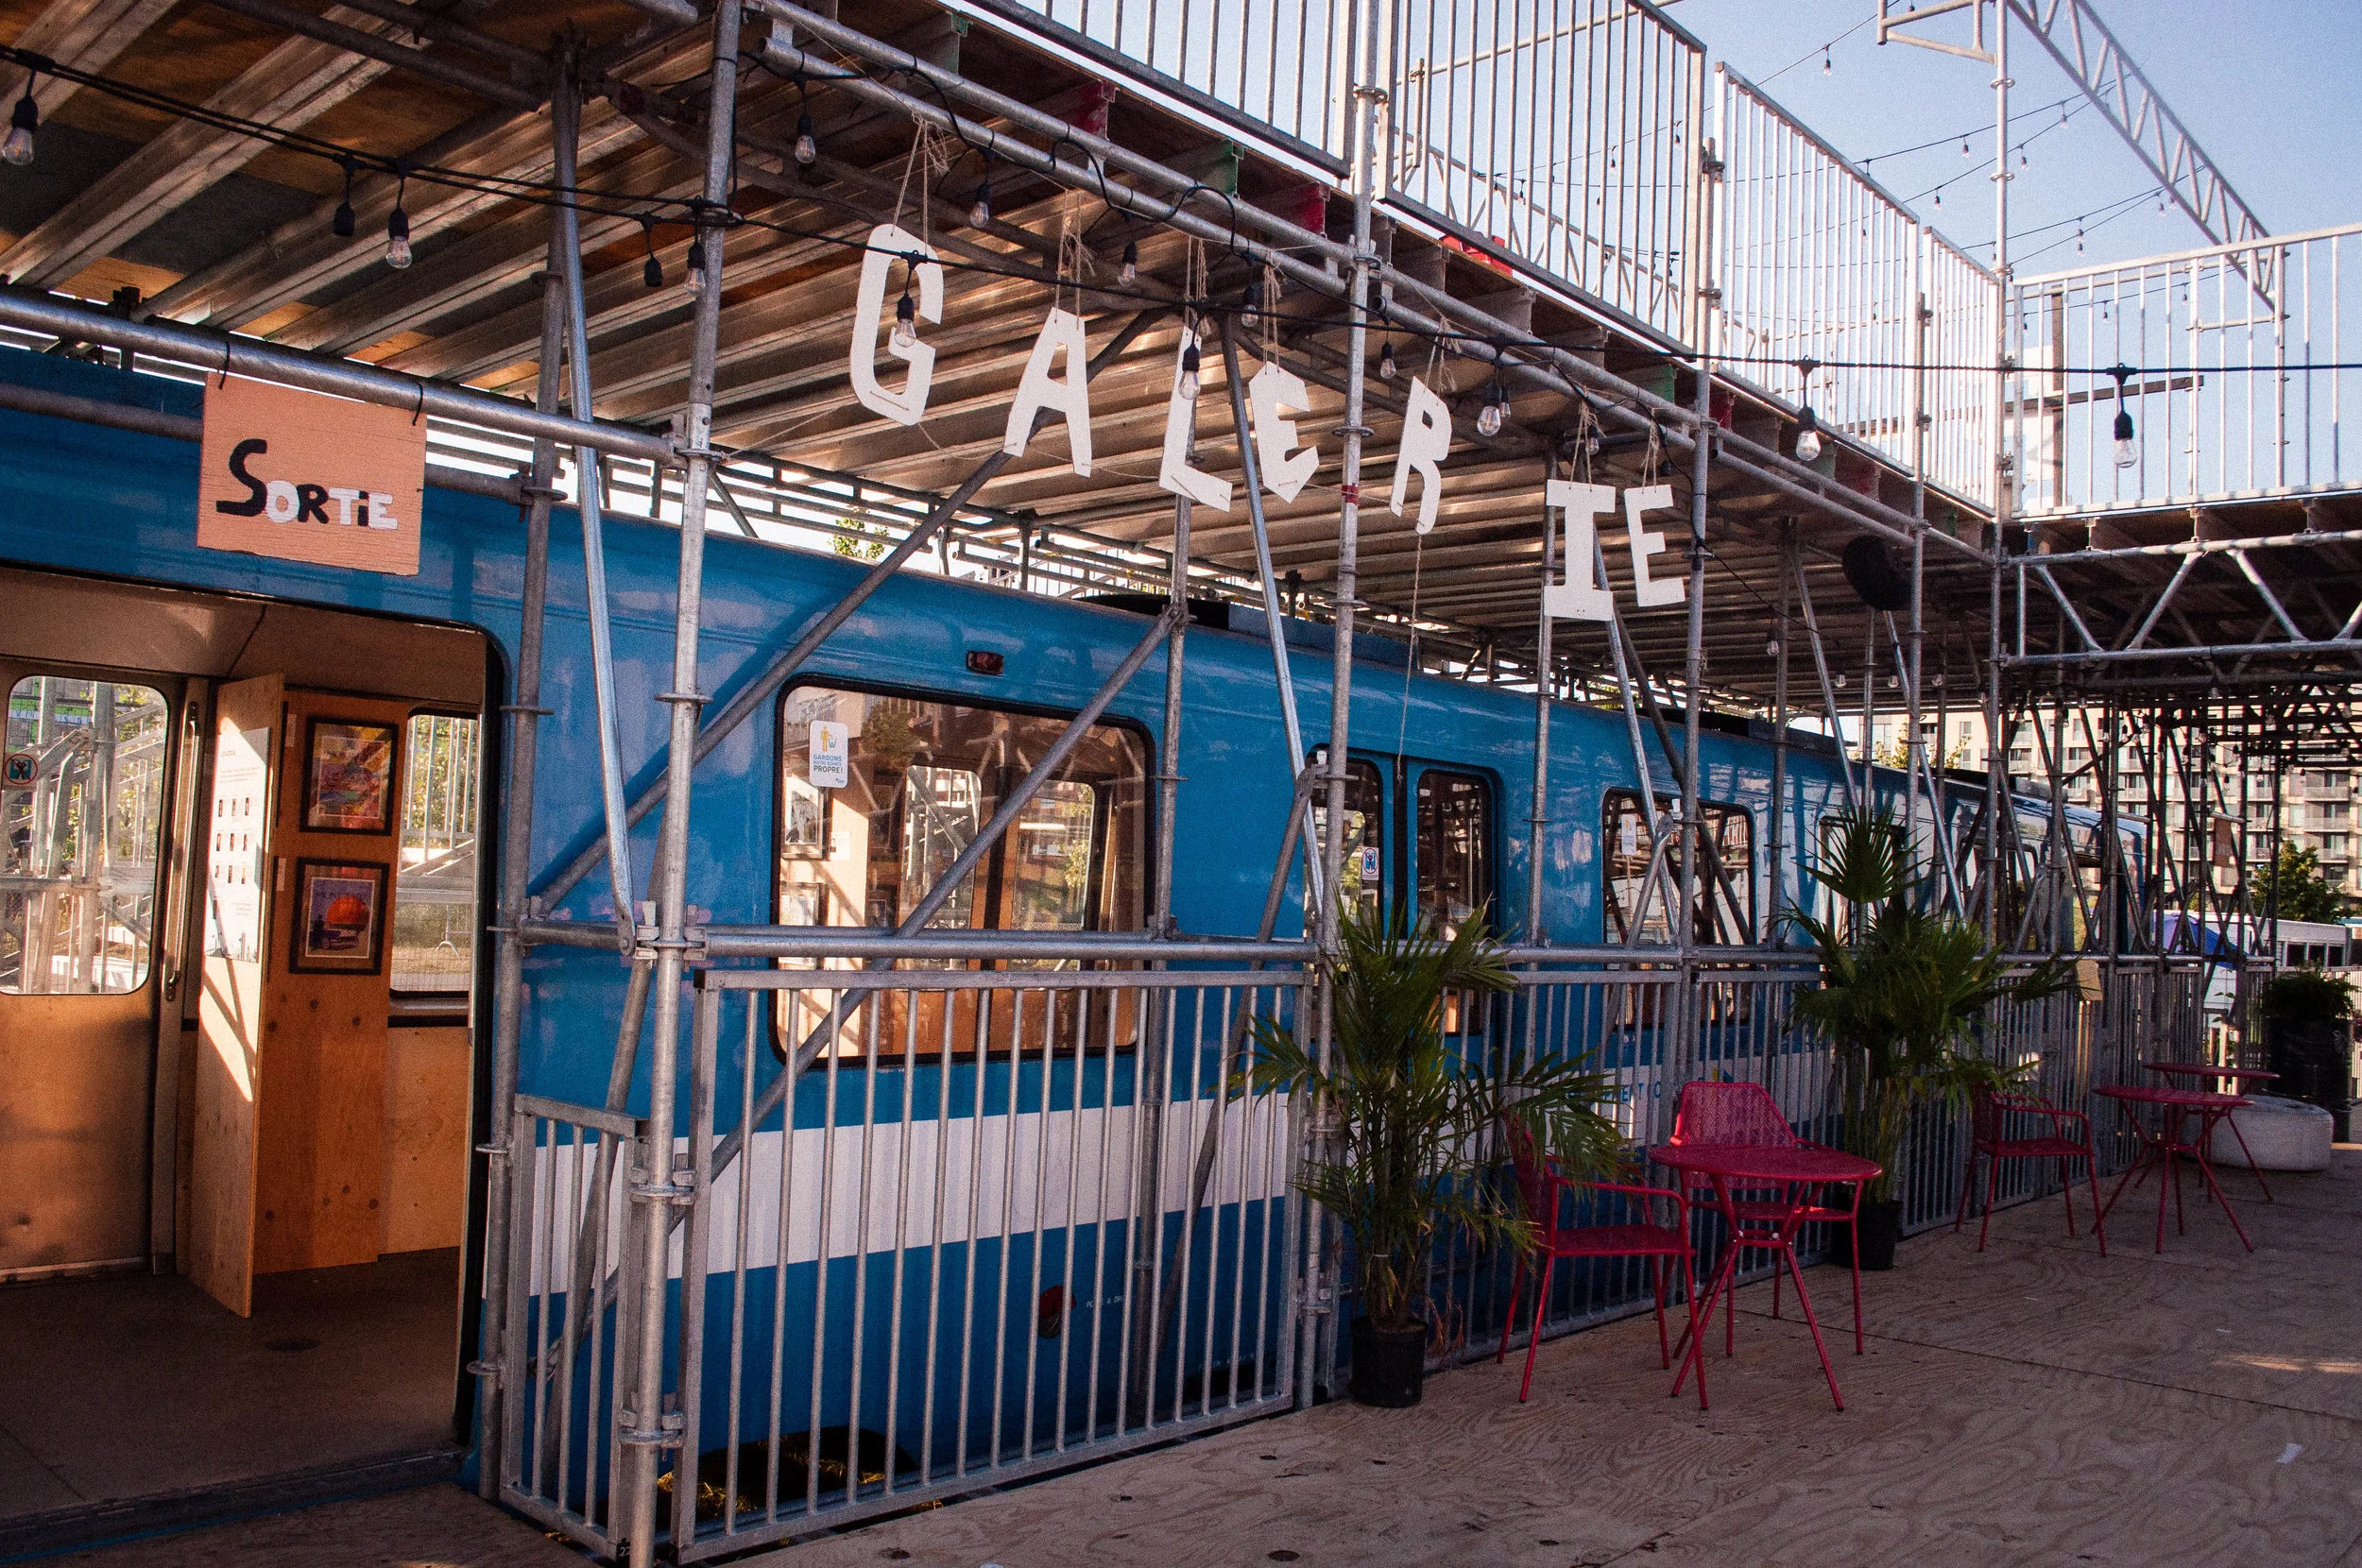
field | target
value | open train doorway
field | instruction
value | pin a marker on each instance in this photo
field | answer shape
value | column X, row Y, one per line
column 239, row 951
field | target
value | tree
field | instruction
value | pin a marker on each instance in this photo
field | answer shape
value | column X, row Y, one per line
column 2294, row 889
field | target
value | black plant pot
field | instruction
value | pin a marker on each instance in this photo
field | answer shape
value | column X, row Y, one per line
column 2312, row 1057
column 1389, row 1365
column 1877, row 1232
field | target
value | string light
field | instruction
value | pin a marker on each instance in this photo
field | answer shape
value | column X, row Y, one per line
column 1826, row 67
column 906, row 312
column 651, row 270
column 1386, row 367
column 806, row 140
column 979, row 212
column 1188, row 371
column 693, row 265
column 2127, row 446
column 1129, row 273
column 343, row 223
column 398, row 254
column 1964, row 152
column 1496, row 409
column 18, row 145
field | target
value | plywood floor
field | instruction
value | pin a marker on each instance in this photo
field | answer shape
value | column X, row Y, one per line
column 2035, row 1405
column 2038, row 1404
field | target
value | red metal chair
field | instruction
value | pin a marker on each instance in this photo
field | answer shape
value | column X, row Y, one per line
column 1539, row 1189
column 1708, row 1112
column 2069, row 1138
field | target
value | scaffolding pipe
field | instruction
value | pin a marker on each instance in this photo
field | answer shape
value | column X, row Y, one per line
column 566, row 121
column 656, row 1191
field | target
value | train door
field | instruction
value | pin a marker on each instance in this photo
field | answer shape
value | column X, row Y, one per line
column 238, row 935
column 83, row 801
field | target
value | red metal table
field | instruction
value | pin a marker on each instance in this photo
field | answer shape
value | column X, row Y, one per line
column 2238, row 1080
column 1795, row 1173
column 2164, row 1145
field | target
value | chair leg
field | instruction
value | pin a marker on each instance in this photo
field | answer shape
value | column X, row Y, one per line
column 1775, row 1292
column 1857, row 1340
column 1968, row 1185
column 1658, row 1269
column 1534, row 1339
column 2066, row 1194
column 1509, row 1318
column 2091, row 1175
column 1993, row 1178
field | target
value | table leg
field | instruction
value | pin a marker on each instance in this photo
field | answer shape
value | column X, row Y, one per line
column 1788, row 1254
column 2148, row 1156
column 2206, row 1169
column 1718, row 1288
column 2253, row 1170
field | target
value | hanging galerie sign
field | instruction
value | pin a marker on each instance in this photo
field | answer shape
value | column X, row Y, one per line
column 1056, row 384
column 306, row 477
column 1584, row 594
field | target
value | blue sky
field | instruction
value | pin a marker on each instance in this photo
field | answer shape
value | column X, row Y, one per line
column 2272, row 90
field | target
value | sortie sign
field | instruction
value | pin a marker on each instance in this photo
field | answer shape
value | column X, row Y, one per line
column 306, row 477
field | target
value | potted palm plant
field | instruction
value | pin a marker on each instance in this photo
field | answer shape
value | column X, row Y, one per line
column 1904, row 992
column 2310, row 1016
column 1412, row 1106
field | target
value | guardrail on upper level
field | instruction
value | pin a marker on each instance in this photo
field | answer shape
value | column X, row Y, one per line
column 1819, row 267
column 2238, row 373
column 1564, row 137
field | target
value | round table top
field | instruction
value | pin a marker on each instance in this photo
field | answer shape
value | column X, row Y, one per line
column 2189, row 1100
column 1765, row 1162
column 2199, row 1069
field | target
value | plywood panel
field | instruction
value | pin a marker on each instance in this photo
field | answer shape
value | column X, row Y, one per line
column 231, row 1021
column 320, row 1168
column 426, row 1138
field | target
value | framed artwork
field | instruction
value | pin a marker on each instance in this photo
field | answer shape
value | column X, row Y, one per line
column 339, row 918
column 804, row 831
column 348, row 776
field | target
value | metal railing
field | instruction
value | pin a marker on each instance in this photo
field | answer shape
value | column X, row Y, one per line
column 1560, row 137
column 932, row 1273
column 1833, row 295
column 570, row 1302
column 2239, row 376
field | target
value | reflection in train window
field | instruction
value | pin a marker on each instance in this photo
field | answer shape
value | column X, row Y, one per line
column 1363, row 875
column 1455, row 836
column 920, row 778
column 1641, row 875
column 79, row 809
column 435, row 877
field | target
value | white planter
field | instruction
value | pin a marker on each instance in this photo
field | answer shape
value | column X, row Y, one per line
column 2281, row 1133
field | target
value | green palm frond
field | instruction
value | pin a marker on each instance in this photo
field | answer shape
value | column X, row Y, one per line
column 1413, row 1106
column 1904, row 991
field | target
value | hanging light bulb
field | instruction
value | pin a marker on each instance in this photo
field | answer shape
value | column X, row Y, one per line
column 343, row 223
column 1386, row 370
column 694, row 266
column 2021, row 157
column 652, row 270
column 2127, row 452
column 1809, row 436
column 1496, row 409
column 1939, row 198
column 398, row 235
column 1825, row 62
column 905, row 317
column 1964, row 152
column 18, row 145
column 807, row 141
column 1129, row 273
column 1188, row 371
column 2079, row 239
column 979, row 212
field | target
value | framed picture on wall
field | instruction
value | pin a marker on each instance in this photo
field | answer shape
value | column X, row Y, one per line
column 348, row 776
column 804, row 828
column 339, row 918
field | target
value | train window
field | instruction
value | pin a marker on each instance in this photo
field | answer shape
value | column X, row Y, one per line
column 1454, row 846
column 1639, row 881
column 919, row 780
column 1365, row 856
column 80, row 807
column 435, row 874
